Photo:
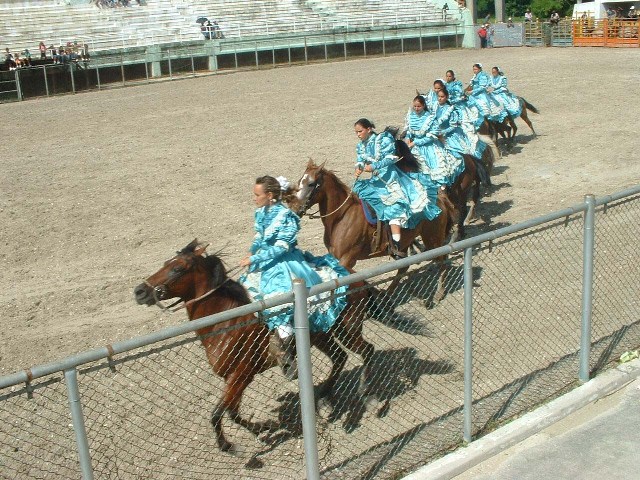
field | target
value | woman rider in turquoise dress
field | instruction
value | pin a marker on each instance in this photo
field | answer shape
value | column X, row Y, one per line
column 478, row 96
column 449, row 122
column 442, row 165
column 470, row 116
column 431, row 97
column 401, row 199
column 275, row 260
column 498, row 89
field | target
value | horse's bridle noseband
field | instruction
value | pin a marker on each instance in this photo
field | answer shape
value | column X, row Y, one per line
column 315, row 185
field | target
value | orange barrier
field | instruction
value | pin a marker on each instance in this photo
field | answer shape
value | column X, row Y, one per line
column 606, row 33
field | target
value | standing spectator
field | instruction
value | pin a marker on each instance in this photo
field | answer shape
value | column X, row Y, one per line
column 206, row 30
column 490, row 34
column 8, row 59
column 632, row 12
column 510, row 23
column 216, row 29
column 43, row 51
column 555, row 18
column 528, row 16
column 482, row 33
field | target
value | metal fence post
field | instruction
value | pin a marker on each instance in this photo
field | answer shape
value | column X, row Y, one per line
column 305, row 379
column 18, row 86
column 587, row 286
column 170, row 71
column 71, row 379
column 468, row 345
column 98, row 76
column 122, row 70
column 73, row 80
column 384, row 51
column 46, row 82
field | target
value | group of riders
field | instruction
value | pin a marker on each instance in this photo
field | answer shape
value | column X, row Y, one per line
column 440, row 127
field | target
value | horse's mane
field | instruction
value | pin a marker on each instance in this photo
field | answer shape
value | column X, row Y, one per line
column 214, row 266
column 230, row 287
column 339, row 182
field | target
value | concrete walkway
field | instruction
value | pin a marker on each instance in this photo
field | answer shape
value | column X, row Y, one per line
column 593, row 432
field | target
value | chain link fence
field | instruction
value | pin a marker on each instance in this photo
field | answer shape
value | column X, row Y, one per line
column 506, row 337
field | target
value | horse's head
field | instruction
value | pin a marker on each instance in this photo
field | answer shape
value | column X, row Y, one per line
column 179, row 276
column 309, row 188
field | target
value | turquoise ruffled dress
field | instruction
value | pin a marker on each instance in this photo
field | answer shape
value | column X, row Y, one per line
column 456, row 91
column 457, row 139
column 488, row 106
column 276, row 261
column 436, row 161
column 509, row 101
column 393, row 194
column 431, row 100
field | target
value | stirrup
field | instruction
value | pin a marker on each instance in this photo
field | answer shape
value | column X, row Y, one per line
column 395, row 253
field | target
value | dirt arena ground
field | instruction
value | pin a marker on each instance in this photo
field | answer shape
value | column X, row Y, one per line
column 98, row 189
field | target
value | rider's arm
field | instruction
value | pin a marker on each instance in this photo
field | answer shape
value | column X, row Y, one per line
column 285, row 238
column 385, row 151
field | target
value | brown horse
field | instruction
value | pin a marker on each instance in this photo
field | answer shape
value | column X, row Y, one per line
column 507, row 128
column 476, row 172
column 238, row 349
column 348, row 235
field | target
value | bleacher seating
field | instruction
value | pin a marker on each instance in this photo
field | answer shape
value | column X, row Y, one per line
column 26, row 23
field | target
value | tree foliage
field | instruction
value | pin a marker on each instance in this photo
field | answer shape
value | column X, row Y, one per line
column 541, row 9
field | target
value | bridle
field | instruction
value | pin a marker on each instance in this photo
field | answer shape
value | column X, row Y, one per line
column 308, row 202
column 158, row 290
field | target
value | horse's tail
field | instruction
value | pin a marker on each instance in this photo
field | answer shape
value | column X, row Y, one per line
column 529, row 107
column 482, row 173
column 491, row 154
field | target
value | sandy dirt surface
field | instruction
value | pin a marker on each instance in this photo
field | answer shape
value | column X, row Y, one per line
column 98, row 189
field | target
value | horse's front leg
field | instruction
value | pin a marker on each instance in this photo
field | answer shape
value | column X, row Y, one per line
column 216, row 422
column 236, row 385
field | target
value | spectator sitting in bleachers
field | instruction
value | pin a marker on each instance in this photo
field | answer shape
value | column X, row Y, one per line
column 26, row 58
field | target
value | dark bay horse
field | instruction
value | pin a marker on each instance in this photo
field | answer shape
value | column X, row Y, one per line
column 348, row 235
column 238, row 349
column 507, row 128
column 476, row 173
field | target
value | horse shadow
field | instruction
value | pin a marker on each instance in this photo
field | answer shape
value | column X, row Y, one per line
column 392, row 373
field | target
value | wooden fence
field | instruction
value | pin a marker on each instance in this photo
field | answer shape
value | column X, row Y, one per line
column 606, row 33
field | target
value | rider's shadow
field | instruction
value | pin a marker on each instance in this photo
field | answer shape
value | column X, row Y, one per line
column 392, row 373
